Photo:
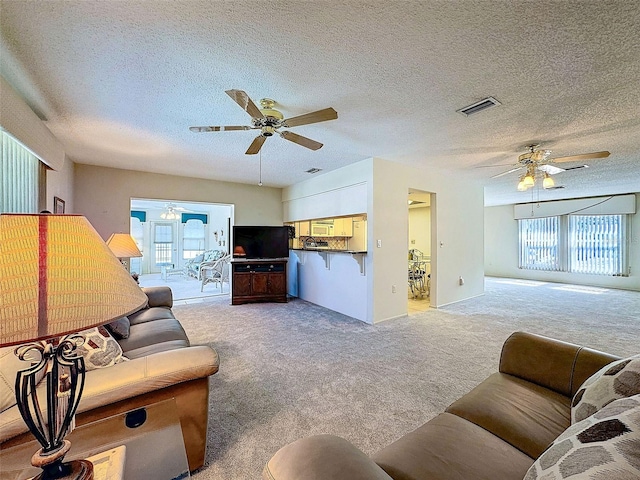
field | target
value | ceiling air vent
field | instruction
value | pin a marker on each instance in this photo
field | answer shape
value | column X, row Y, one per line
column 313, row 170
column 478, row 106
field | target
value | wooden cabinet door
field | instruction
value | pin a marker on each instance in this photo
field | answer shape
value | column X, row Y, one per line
column 277, row 283
column 241, row 284
column 260, row 283
column 304, row 228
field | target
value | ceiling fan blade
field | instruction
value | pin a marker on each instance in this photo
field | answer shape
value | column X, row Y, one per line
column 313, row 117
column 494, row 165
column 576, row 168
column 256, row 145
column 507, row 172
column 219, row 129
column 300, row 140
column 584, row 156
column 242, row 99
column 550, row 169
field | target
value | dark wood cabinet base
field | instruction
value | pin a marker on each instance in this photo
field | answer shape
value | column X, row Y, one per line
column 258, row 281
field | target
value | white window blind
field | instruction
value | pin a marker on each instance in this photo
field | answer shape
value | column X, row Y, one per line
column 539, row 240
column 597, row 244
column 193, row 238
column 19, row 177
column 163, row 243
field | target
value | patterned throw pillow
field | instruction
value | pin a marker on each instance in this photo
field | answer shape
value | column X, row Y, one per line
column 604, row 446
column 619, row 379
column 100, row 349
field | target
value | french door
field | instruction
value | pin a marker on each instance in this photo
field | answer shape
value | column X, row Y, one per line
column 163, row 245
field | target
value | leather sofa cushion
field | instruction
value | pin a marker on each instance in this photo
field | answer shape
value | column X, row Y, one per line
column 322, row 457
column 451, row 448
column 150, row 315
column 151, row 333
column 524, row 414
column 156, row 348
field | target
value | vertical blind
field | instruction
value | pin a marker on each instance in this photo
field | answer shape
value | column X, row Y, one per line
column 539, row 241
column 19, row 177
column 596, row 244
column 589, row 244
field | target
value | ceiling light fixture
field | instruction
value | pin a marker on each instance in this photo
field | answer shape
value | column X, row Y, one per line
column 548, row 181
column 170, row 213
column 529, row 179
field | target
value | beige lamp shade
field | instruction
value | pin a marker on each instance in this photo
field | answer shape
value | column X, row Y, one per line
column 58, row 276
column 123, row 245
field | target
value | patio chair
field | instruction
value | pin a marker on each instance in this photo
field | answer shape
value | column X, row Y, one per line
column 215, row 272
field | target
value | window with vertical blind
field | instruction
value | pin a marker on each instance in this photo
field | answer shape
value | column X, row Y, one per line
column 21, row 177
column 587, row 244
column 597, row 244
column 539, row 243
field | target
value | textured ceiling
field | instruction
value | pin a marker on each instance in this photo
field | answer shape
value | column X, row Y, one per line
column 119, row 83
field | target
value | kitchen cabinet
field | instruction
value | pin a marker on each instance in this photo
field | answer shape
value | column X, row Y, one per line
column 303, row 229
column 343, row 227
column 258, row 281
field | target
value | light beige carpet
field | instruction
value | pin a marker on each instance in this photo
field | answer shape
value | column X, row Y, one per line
column 297, row 369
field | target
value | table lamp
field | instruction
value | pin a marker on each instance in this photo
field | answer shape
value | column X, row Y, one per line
column 57, row 277
column 123, row 246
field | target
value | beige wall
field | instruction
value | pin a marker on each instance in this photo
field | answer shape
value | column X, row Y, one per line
column 103, row 196
column 420, row 229
column 501, row 253
column 60, row 184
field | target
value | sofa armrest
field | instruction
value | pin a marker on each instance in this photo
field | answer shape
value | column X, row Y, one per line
column 142, row 375
column 159, row 296
column 126, row 380
column 322, row 457
column 550, row 363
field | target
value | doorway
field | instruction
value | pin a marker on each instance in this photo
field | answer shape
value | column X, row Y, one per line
column 174, row 237
column 419, row 281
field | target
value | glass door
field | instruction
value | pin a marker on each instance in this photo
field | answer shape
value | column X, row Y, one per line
column 163, row 245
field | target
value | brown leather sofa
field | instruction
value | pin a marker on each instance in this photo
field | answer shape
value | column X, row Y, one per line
column 495, row 432
column 162, row 365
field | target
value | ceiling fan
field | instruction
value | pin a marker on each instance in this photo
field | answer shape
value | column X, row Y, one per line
column 171, row 211
column 269, row 120
column 538, row 165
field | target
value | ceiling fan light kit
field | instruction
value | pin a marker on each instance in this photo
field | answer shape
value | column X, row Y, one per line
column 538, row 165
column 269, row 120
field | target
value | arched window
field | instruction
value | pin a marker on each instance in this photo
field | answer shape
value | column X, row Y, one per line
column 193, row 237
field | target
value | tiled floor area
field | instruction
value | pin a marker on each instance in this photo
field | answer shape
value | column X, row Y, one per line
column 417, row 305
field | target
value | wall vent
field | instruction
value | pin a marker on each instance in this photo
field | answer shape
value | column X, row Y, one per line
column 313, row 170
column 479, row 106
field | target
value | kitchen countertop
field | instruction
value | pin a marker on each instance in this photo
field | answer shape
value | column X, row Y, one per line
column 326, row 249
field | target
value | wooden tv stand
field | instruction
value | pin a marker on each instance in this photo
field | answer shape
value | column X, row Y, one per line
column 258, row 281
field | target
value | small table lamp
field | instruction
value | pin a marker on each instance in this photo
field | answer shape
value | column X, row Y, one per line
column 57, row 277
column 123, row 246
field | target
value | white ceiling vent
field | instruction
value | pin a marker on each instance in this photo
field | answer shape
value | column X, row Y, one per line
column 313, row 170
column 479, row 106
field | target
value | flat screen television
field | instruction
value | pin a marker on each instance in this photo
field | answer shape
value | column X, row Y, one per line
column 260, row 242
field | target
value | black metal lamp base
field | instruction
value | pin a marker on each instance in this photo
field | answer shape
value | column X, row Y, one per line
column 74, row 470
